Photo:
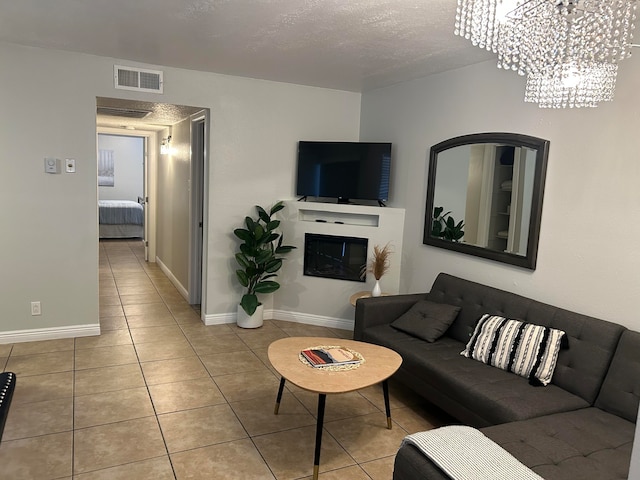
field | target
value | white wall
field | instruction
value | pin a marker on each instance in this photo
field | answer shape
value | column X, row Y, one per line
column 589, row 255
column 172, row 217
column 128, row 153
column 52, row 250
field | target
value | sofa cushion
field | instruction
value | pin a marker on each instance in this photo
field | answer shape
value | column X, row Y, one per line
column 580, row 369
column 473, row 392
column 621, row 388
column 530, row 351
column 427, row 320
column 586, row 443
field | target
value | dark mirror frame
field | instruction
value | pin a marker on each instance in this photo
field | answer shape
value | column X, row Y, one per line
column 513, row 139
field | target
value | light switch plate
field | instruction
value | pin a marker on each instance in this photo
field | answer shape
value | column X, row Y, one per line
column 52, row 165
column 70, row 165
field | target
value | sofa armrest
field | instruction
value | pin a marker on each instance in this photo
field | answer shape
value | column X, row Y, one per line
column 382, row 310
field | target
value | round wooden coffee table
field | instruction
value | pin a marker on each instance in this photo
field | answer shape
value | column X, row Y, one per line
column 380, row 363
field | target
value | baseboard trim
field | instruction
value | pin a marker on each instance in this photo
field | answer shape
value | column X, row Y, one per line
column 297, row 317
column 219, row 318
column 310, row 319
column 172, row 278
column 54, row 333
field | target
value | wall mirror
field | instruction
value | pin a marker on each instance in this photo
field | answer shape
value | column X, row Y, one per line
column 484, row 196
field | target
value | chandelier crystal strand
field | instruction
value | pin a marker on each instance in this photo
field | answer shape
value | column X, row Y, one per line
column 570, row 87
column 568, row 49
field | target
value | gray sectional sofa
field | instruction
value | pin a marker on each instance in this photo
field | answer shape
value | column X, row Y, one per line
column 581, row 426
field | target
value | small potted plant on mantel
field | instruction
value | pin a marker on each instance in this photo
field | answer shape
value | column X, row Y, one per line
column 259, row 260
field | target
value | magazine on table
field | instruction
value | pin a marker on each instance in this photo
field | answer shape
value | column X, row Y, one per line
column 326, row 357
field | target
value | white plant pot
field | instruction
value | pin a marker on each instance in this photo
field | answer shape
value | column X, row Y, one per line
column 250, row 321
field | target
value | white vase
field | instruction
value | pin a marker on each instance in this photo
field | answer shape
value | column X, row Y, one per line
column 250, row 321
column 377, row 291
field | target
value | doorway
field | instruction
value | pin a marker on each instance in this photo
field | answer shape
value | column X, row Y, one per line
column 177, row 229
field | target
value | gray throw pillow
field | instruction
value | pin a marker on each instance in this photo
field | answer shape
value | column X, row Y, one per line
column 427, row 320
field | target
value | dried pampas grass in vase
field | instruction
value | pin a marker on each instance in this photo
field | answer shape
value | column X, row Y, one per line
column 378, row 266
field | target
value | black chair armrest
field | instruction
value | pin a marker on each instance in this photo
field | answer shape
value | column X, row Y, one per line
column 7, row 385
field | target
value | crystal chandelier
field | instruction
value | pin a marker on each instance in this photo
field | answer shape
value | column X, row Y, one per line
column 569, row 49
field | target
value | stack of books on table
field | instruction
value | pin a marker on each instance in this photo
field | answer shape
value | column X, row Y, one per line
column 327, row 357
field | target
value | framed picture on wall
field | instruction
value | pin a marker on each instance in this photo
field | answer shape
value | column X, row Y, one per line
column 105, row 168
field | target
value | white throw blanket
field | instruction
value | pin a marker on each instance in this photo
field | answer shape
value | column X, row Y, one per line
column 464, row 453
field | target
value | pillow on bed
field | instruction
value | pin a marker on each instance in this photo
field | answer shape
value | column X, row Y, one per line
column 528, row 350
column 427, row 320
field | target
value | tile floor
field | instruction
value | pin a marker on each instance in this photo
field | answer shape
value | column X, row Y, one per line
column 156, row 396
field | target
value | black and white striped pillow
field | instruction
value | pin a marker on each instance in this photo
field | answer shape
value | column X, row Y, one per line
column 528, row 350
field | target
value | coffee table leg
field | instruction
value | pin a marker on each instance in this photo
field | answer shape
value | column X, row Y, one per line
column 316, row 457
column 279, row 397
column 385, row 391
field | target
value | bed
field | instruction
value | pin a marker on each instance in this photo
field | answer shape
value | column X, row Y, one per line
column 121, row 219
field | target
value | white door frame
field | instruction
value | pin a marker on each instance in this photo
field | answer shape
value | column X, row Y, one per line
column 150, row 175
column 199, row 210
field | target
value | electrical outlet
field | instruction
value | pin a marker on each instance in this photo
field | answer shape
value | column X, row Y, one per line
column 35, row 308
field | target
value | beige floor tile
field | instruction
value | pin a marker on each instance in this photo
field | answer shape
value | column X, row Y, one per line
column 110, row 407
column 105, row 446
column 198, row 330
column 146, row 309
column 41, row 364
column 399, row 395
column 44, row 346
column 39, row 418
column 5, row 349
column 143, row 289
column 173, row 370
column 343, row 405
column 381, row 469
column 113, row 323
column 140, row 298
column 171, row 397
column 289, row 454
column 200, row 427
column 108, row 379
column 303, row 330
column 420, row 418
column 153, row 469
column 38, row 388
column 367, row 438
column 258, row 418
column 105, row 356
column 261, row 339
column 235, row 362
column 111, row 310
column 105, row 339
column 149, row 352
column 247, row 385
column 212, row 344
column 230, row 461
column 108, row 300
column 46, row 457
column 352, row 473
column 169, row 333
column 151, row 320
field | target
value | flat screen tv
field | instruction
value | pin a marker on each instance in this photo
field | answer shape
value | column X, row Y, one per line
column 344, row 170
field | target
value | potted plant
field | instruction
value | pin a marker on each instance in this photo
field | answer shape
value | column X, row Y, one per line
column 259, row 259
column 445, row 227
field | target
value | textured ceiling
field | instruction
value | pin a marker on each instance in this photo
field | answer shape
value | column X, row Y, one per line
column 160, row 115
column 351, row 45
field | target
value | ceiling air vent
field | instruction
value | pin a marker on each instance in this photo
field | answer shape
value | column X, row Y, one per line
column 123, row 112
column 129, row 78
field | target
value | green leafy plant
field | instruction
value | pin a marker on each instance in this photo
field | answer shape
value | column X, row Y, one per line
column 444, row 226
column 259, row 256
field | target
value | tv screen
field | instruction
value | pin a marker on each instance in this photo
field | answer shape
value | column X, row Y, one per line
column 344, row 170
